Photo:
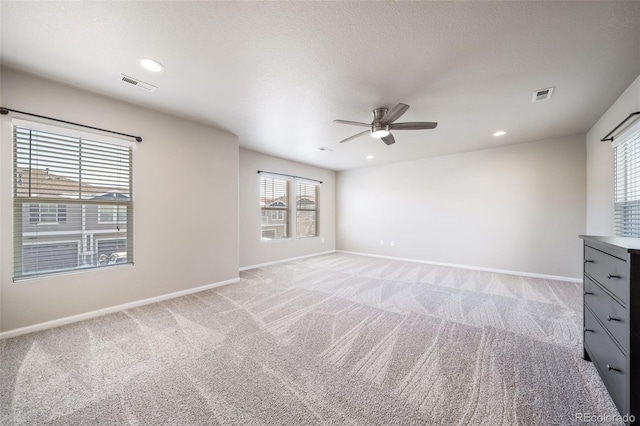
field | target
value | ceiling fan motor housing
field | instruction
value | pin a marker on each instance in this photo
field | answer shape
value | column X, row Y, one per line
column 379, row 130
column 378, row 113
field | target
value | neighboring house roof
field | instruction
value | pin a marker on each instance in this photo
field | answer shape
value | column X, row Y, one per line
column 274, row 202
column 46, row 184
column 304, row 201
column 111, row 196
column 280, row 202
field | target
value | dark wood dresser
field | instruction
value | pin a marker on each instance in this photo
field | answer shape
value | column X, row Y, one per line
column 612, row 316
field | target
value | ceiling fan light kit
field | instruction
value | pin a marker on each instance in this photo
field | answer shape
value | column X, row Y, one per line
column 383, row 123
column 380, row 130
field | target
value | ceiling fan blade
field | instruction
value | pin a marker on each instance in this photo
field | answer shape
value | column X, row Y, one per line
column 354, row 136
column 389, row 140
column 352, row 123
column 415, row 125
column 394, row 113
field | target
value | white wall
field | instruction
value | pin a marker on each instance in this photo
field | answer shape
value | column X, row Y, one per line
column 600, row 219
column 517, row 208
column 252, row 250
column 186, row 206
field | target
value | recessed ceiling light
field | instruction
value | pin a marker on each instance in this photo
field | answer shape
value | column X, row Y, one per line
column 369, row 157
column 500, row 133
column 150, row 64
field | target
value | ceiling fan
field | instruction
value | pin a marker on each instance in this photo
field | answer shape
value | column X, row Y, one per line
column 383, row 123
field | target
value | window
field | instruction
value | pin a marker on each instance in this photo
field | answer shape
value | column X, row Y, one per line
column 47, row 213
column 627, row 183
column 306, row 210
column 274, row 202
column 112, row 214
column 92, row 176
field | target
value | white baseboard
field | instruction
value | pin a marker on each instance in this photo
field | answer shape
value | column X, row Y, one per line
column 476, row 268
column 112, row 309
column 117, row 308
column 260, row 265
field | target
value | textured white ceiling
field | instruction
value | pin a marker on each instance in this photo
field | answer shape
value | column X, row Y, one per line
column 277, row 73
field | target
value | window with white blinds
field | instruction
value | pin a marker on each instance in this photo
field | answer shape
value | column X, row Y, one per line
column 627, row 184
column 72, row 204
column 274, row 203
column 306, row 210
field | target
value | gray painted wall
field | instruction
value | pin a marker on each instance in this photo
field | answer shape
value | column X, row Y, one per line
column 186, row 206
column 600, row 218
column 517, row 208
column 252, row 250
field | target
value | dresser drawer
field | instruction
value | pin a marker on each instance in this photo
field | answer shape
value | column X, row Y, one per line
column 612, row 314
column 611, row 272
column 610, row 361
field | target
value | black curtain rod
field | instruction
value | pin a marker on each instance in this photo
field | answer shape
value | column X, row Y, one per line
column 5, row 111
column 610, row 139
column 291, row 176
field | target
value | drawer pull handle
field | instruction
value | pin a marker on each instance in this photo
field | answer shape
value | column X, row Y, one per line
column 612, row 276
column 610, row 318
column 588, row 329
column 588, row 292
column 588, row 261
column 610, row 368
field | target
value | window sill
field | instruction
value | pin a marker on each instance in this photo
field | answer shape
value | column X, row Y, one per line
column 279, row 240
column 71, row 272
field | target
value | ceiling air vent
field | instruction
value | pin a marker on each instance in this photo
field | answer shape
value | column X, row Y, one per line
column 542, row 94
column 141, row 84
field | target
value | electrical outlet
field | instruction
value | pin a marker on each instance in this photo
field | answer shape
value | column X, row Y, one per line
column 381, row 242
column 323, row 241
column 393, row 243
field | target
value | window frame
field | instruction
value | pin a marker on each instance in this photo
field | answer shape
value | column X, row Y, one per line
column 292, row 210
column 89, row 151
column 626, row 182
column 316, row 209
column 268, row 210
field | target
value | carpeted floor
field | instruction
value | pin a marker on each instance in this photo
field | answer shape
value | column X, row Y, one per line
column 333, row 339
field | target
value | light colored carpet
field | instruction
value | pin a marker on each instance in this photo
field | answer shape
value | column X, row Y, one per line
column 333, row 339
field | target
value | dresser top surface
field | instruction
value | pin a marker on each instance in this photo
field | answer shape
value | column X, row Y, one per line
column 630, row 245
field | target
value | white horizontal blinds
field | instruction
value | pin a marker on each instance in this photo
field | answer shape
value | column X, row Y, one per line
column 274, row 203
column 306, row 210
column 73, row 205
column 627, row 185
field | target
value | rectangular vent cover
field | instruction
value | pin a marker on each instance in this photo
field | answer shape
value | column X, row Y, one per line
column 141, row 84
column 542, row 94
